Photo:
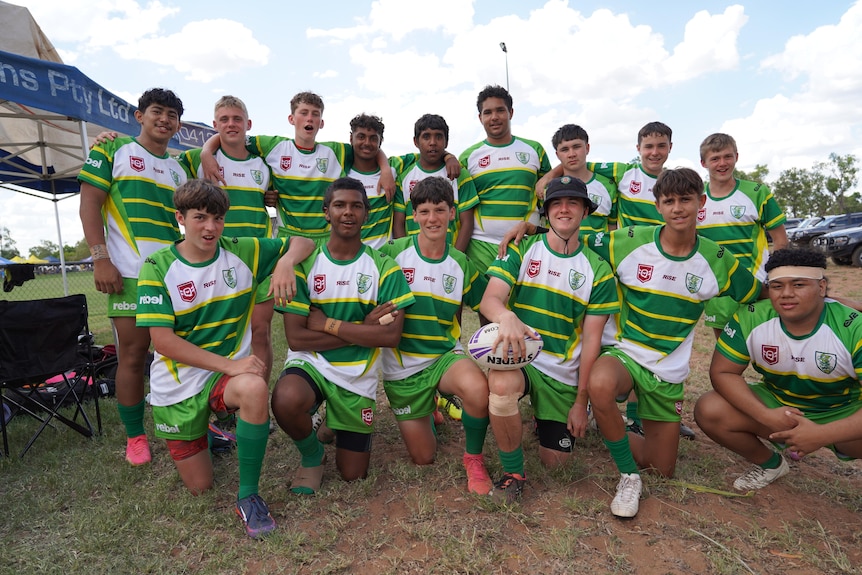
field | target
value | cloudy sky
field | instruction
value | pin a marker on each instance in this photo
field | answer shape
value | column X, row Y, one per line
column 782, row 77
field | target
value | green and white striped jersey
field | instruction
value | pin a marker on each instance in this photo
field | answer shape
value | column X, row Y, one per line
column 431, row 326
column 662, row 296
column 817, row 373
column 208, row 304
column 246, row 182
column 348, row 291
column 139, row 210
column 552, row 293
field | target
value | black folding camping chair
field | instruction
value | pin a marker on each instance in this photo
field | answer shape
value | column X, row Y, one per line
column 41, row 340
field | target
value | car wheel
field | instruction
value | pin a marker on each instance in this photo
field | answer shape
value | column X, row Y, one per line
column 856, row 258
column 842, row 261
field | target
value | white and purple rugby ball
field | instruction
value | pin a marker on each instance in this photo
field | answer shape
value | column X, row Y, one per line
column 480, row 349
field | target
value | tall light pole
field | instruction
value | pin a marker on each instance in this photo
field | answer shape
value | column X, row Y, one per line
column 506, row 52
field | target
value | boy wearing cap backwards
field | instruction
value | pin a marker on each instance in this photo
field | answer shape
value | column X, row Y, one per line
column 665, row 274
column 429, row 356
column 737, row 214
column 807, row 348
column 196, row 299
column 552, row 272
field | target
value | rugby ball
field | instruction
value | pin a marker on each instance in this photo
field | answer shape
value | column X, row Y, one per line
column 480, row 348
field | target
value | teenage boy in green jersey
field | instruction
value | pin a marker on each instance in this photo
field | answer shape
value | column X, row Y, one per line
column 302, row 168
column 431, row 136
column 504, row 169
column 366, row 135
column 248, row 185
column 572, row 145
column 737, row 214
column 347, row 306
column 429, row 358
column 665, row 274
column 196, row 299
column 635, row 200
column 807, row 348
column 553, row 285
column 127, row 212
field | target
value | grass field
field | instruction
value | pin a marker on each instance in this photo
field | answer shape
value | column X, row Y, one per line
column 74, row 506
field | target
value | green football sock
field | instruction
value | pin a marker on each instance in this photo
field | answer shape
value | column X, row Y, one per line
column 132, row 418
column 475, row 430
column 513, row 461
column 311, row 450
column 622, row 455
column 632, row 412
column 251, row 439
column 773, row 462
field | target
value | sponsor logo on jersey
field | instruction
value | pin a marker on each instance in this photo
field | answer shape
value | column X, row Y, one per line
column 576, row 279
column 693, row 282
column 175, row 177
column 363, row 282
column 635, row 187
column 850, row 319
column 737, row 211
column 769, row 353
column 412, row 184
column 229, row 276
column 257, row 176
column 449, row 283
column 727, row 329
column 322, row 164
column 187, row 290
column 534, row 267
column 319, row 283
column 597, row 199
column 597, row 239
column 826, row 362
column 644, row 273
column 164, row 428
column 523, row 157
column 485, row 161
column 95, row 163
column 367, row 416
column 125, row 306
column 409, row 274
column 286, row 162
column 137, row 163
column 701, row 214
column 150, row 300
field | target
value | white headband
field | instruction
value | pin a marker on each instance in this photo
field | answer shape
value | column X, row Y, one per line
column 805, row 272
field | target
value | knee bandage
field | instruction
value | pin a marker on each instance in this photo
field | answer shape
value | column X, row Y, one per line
column 503, row 405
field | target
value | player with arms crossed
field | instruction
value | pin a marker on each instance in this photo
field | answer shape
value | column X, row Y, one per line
column 665, row 275
column 554, row 285
column 347, row 306
column 808, row 348
column 429, row 357
column 127, row 212
column 196, row 299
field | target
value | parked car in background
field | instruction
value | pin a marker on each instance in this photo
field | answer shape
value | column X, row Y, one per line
column 843, row 246
column 802, row 236
column 789, row 224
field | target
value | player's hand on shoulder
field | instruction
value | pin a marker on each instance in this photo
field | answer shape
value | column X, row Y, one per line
column 514, row 235
column 105, row 136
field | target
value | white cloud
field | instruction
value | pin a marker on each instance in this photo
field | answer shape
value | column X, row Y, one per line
column 709, row 45
column 326, row 74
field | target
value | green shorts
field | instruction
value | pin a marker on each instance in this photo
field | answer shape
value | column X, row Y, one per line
column 482, row 254
column 719, row 310
column 413, row 396
column 345, row 410
column 124, row 304
column 658, row 400
column 189, row 419
column 551, row 399
column 769, row 400
column 262, row 289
